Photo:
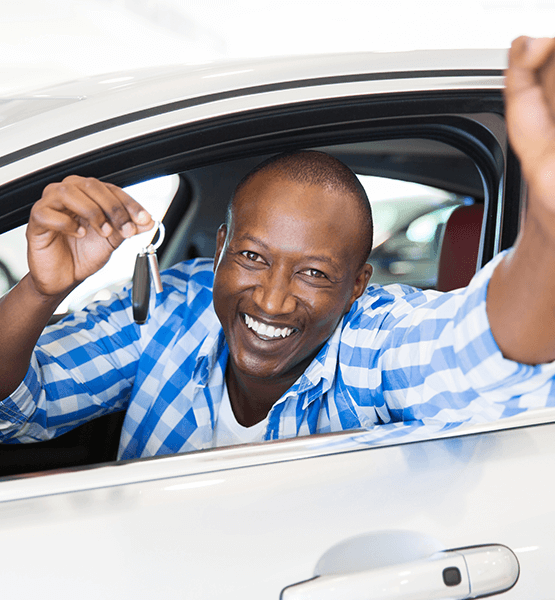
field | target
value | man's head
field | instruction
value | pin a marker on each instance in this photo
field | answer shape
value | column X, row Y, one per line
column 315, row 169
column 290, row 262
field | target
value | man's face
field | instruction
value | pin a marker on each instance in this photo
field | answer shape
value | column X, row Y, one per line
column 289, row 271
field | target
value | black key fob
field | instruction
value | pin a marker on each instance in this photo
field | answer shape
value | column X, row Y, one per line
column 145, row 266
column 141, row 289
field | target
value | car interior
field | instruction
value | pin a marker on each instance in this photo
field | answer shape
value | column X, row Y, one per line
column 436, row 236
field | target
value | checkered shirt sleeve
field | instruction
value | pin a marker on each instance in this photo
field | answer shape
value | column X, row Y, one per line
column 433, row 361
column 82, row 367
column 98, row 360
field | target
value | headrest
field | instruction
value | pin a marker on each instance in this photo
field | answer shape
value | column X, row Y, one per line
column 459, row 248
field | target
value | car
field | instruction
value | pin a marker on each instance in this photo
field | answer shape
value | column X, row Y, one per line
column 459, row 514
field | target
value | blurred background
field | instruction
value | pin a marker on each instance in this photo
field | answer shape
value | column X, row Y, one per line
column 47, row 41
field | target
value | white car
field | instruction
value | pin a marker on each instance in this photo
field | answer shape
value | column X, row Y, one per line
column 458, row 515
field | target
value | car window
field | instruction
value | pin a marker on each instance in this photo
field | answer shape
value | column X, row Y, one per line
column 154, row 194
column 409, row 219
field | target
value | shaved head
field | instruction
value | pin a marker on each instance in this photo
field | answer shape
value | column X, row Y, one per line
column 313, row 168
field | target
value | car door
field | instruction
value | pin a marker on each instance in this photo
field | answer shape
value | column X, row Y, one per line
column 452, row 515
column 250, row 522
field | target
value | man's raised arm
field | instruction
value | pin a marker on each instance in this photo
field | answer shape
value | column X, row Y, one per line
column 72, row 231
column 521, row 293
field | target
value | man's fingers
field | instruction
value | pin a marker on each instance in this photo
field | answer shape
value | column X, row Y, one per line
column 142, row 219
column 105, row 207
column 49, row 219
column 529, row 105
column 530, row 53
column 73, row 201
column 526, row 57
column 115, row 212
column 546, row 76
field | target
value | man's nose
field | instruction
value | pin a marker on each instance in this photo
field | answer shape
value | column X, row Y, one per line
column 273, row 294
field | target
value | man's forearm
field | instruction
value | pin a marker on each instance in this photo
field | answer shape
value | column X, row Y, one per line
column 521, row 297
column 23, row 315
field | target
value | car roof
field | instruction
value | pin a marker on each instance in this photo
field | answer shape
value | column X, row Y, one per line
column 240, row 73
column 106, row 96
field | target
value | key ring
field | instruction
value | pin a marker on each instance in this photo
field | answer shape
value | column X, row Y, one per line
column 161, row 231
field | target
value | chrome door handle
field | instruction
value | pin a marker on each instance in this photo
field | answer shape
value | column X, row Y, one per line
column 454, row 574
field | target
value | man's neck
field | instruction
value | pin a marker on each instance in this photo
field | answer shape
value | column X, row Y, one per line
column 251, row 399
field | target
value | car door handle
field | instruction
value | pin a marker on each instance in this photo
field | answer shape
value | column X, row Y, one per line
column 455, row 574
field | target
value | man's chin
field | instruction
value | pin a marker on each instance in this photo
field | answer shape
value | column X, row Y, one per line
column 255, row 368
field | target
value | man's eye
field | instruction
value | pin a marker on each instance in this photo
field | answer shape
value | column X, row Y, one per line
column 314, row 273
column 252, row 256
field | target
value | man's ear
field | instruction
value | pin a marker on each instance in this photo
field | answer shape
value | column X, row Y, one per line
column 361, row 282
column 221, row 238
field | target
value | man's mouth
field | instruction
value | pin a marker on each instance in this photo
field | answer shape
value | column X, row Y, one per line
column 267, row 331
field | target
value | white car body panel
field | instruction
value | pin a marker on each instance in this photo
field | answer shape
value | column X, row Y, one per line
column 249, row 532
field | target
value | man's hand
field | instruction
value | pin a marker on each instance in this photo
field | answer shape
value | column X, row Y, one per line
column 75, row 227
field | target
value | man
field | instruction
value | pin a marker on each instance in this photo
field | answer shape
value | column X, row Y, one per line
column 280, row 336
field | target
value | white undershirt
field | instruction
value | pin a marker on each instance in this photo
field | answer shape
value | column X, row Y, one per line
column 229, row 432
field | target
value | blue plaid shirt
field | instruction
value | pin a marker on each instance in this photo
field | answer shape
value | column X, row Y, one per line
column 400, row 359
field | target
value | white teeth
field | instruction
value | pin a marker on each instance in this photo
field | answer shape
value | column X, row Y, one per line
column 267, row 330
column 261, row 329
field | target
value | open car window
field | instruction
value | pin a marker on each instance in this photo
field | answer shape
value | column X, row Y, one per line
column 409, row 220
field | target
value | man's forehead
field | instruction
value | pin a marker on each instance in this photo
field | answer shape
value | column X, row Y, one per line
column 264, row 186
column 266, row 178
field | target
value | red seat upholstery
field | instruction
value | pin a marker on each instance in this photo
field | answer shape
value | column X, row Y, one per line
column 459, row 248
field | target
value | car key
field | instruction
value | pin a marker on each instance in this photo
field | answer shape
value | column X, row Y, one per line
column 146, row 265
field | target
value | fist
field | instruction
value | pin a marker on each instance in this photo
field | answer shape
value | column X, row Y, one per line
column 530, row 113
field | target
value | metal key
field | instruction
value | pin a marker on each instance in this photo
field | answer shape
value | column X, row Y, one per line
column 145, row 266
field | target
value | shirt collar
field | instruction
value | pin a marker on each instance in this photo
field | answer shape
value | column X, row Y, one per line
column 320, row 374
column 210, row 353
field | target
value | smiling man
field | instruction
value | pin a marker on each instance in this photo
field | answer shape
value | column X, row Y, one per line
column 290, row 262
column 281, row 335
